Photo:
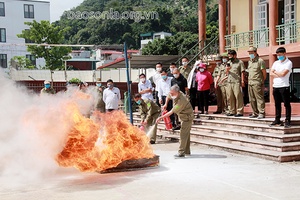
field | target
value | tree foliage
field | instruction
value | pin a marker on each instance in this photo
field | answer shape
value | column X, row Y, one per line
column 45, row 33
column 176, row 16
column 21, row 62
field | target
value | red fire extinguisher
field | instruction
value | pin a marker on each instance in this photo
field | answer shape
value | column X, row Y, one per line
column 167, row 121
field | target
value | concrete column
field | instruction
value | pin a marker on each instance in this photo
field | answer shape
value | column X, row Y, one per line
column 202, row 21
column 250, row 15
column 273, row 21
column 222, row 25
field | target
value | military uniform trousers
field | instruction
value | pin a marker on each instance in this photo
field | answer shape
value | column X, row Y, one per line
column 220, row 101
column 236, row 101
column 151, row 127
column 256, row 97
column 185, row 133
column 225, row 97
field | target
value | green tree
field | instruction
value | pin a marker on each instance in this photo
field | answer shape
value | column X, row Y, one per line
column 44, row 33
column 21, row 62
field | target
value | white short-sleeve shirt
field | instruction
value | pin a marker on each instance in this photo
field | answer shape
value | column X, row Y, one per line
column 145, row 86
column 279, row 66
column 111, row 98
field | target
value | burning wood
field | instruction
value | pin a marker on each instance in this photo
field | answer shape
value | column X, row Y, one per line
column 136, row 164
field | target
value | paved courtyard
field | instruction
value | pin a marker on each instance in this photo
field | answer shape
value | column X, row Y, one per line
column 207, row 174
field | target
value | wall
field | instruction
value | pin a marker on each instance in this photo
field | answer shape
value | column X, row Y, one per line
column 240, row 15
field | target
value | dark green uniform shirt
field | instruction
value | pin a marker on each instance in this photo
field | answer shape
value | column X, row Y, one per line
column 185, row 71
column 254, row 69
column 148, row 108
column 235, row 73
column 183, row 108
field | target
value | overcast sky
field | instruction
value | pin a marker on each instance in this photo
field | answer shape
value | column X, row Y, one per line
column 57, row 7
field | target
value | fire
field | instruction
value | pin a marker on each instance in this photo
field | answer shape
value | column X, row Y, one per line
column 102, row 143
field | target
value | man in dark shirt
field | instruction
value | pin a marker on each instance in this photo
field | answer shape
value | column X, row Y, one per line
column 180, row 81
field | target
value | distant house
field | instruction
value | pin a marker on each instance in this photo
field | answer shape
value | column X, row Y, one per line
column 13, row 14
column 150, row 36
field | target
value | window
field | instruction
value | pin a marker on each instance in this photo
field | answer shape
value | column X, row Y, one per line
column 3, row 60
column 32, row 59
column 28, row 11
column 2, row 35
column 2, row 9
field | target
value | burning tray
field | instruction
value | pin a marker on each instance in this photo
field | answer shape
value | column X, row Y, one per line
column 131, row 165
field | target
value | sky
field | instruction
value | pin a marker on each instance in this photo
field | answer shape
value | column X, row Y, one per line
column 57, row 7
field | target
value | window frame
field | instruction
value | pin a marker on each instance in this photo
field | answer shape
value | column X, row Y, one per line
column 3, row 15
column 1, row 39
column 33, row 61
column 28, row 13
column 3, row 61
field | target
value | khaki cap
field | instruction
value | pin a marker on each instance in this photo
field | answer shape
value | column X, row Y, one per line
column 252, row 49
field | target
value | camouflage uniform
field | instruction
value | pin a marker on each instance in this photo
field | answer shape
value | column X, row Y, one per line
column 185, row 71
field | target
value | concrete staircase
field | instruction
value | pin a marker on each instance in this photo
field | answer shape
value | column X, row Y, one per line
column 243, row 135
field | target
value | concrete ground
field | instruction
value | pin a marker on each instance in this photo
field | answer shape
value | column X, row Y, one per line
column 207, row 174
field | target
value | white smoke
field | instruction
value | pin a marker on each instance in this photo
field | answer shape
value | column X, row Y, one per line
column 33, row 130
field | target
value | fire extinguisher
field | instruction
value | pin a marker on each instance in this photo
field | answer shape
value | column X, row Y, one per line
column 167, row 121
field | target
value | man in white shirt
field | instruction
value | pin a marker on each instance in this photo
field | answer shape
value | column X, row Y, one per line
column 145, row 88
column 164, row 87
column 111, row 96
column 281, row 70
column 156, row 77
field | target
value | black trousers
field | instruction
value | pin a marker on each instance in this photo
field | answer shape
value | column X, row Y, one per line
column 193, row 97
column 282, row 95
column 203, row 97
column 156, row 98
column 169, row 107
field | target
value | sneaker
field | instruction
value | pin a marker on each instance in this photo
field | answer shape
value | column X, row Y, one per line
column 238, row 115
column 287, row 124
column 261, row 116
column 274, row 123
column 179, row 156
column 253, row 116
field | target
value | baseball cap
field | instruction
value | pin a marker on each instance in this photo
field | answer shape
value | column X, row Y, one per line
column 46, row 82
column 252, row 49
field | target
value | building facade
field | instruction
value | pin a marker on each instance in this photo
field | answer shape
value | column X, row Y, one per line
column 13, row 14
column 265, row 24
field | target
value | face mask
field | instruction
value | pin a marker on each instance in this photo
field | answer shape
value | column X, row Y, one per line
column 173, row 97
column 164, row 77
column 224, row 60
column 176, row 75
column 201, row 70
column 139, row 102
column 98, row 84
column 184, row 63
column 281, row 58
column 47, row 86
column 171, row 70
column 142, row 80
column 251, row 56
column 110, row 86
column 158, row 69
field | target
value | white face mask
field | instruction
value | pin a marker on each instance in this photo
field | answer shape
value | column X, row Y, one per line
column 171, row 70
column 184, row 63
column 173, row 97
column 176, row 75
column 158, row 69
column 142, row 80
column 201, row 70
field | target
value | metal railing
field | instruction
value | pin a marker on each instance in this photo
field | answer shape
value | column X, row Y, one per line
column 288, row 33
column 256, row 38
column 189, row 52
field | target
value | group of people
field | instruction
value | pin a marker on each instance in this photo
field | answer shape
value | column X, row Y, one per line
column 107, row 99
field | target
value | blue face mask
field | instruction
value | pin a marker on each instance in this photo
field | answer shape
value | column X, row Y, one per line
column 98, row 84
column 251, row 56
column 164, row 77
column 139, row 102
column 281, row 58
column 47, row 86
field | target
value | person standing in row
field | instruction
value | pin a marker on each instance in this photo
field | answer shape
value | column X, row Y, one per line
column 204, row 80
column 192, row 85
column 235, row 80
column 183, row 108
column 218, row 92
column 47, row 88
column 149, row 112
column 156, row 78
column 256, row 77
column 145, row 88
column 281, row 70
column 100, row 105
column 185, row 70
column 111, row 96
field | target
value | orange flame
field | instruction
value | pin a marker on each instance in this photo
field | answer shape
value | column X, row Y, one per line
column 103, row 143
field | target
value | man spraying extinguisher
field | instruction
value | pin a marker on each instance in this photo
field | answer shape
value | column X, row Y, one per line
column 184, row 110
